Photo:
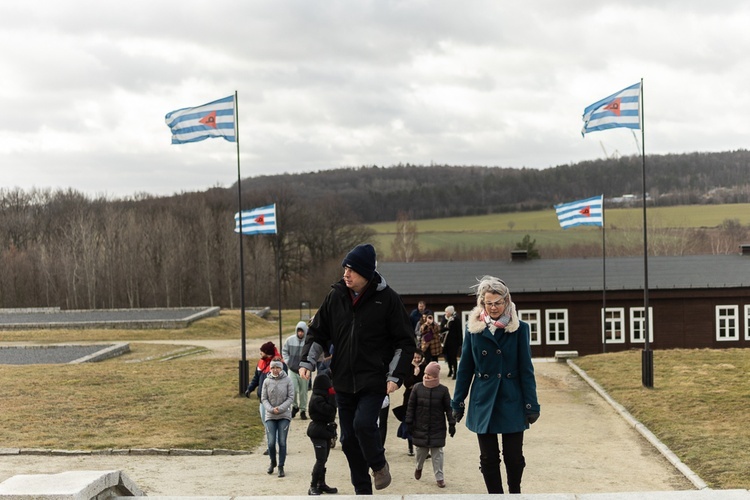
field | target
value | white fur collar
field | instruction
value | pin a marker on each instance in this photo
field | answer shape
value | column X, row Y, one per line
column 477, row 325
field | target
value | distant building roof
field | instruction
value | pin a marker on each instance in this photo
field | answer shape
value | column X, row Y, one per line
column 565, row 275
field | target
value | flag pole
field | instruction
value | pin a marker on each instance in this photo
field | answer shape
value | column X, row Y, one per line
column 244, row 371
column 278, row 281
column 604, row 277
column 647, row 356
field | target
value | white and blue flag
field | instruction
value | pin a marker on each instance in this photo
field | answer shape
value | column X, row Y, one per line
column 621, row 109
column 586, row 212
column 261, row 220
column 214, row 119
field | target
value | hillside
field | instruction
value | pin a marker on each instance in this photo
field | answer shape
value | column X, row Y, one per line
column 62, row 248
column 377, row 194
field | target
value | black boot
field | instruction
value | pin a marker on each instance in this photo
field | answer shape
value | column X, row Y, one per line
column 491, row 473
column 322, row 486
column 514, row 472
column 314, row 482
column 314, row 490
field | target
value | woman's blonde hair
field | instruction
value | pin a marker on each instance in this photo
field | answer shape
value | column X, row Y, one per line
column 492, row 285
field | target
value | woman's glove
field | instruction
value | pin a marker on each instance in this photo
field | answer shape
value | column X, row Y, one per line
column 531, row 418
column 458, row 414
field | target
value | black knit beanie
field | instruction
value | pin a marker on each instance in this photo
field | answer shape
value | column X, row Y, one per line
column 362, row 260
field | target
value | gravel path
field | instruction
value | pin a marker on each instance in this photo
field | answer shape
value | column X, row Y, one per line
column 579, row 445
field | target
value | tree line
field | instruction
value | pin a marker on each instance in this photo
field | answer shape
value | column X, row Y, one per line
column 63, row 248
column 378, row 194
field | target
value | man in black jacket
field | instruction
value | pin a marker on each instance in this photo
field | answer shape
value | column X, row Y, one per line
column 366, row 322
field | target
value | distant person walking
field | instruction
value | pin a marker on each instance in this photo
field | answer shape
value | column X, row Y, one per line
column 417, row 313
column 430, row 339
column 374, row 343
column 277, row 398
column 496, row 369
column 450, row 327
column 268, row 353
column 292, row 354
column 416, row 375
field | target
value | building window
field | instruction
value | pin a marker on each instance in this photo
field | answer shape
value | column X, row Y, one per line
column 533, row 318
column 557, row 326
column 726, row 323
column 464, row 322
column 747, row 322
column 637, row 324
column 614, row 325
column 438, row 317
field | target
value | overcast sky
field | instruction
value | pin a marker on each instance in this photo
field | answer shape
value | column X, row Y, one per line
column 324, row 84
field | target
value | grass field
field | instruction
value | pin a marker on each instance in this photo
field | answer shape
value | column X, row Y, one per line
column 697, row 406
column 623, row 225
column 156, row 396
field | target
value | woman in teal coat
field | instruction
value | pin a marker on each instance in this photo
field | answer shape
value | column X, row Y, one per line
column 496, row 373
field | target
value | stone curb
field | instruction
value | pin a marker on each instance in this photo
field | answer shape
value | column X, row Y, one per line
column 180, row 452
column 642, row 430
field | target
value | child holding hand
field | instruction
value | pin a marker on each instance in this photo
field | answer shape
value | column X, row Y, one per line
column 426, row 415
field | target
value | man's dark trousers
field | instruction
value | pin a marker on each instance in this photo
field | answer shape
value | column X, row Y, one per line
column 360, row 436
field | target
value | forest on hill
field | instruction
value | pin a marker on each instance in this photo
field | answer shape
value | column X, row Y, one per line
column 60, row 248
column 377, row 194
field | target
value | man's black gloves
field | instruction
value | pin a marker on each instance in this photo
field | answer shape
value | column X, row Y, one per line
column 452, row 429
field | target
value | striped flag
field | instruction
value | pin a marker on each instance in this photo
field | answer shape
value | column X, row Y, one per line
column 260, row 220
column 215, row 119
column 618, row 110
column 586, row 212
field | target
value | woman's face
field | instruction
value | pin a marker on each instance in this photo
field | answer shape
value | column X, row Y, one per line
column 494, row 305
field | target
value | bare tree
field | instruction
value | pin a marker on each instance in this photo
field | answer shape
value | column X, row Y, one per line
column 405, row 247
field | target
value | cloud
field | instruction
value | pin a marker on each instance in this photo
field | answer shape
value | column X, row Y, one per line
column 85, row 85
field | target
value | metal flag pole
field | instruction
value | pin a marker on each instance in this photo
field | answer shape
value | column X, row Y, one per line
column 647, row 356
column 278, row 278
column 244, row 370
column 604, row 277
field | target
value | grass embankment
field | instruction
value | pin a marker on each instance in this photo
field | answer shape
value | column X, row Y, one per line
column 624, row 227
column 157, row 396
column 697, row 407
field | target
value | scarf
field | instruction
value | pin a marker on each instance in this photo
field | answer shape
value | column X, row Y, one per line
column 502, row 321
column 431, row 383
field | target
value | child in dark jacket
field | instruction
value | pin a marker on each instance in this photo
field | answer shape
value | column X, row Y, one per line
column 429, row 407
column 321, row 431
